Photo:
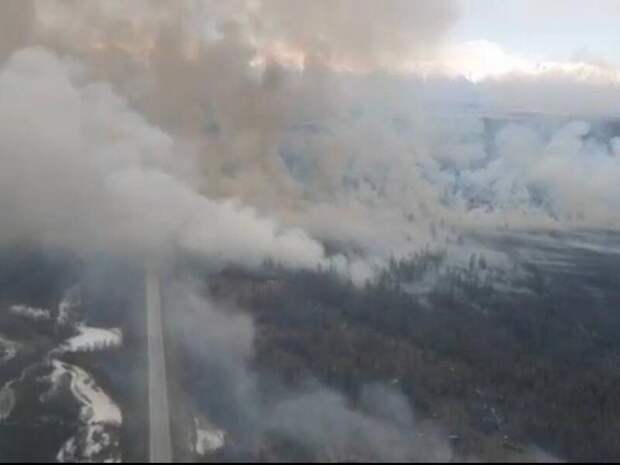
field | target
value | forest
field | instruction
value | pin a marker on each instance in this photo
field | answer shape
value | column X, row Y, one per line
column 536, row 365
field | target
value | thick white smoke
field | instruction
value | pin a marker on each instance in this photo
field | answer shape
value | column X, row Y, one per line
column 82, row 170
column 581, row 90
column 185, row 125
column 319, row 419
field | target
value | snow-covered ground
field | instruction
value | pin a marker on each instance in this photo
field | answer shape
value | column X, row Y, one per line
column 70, row 306
column 98, row 426
column 31, row 313
column 100, row 418
column 98, row 436
column 96, row 406
column 91, row 339
column 208, row 438
column 92, row 443
column 7, row 402
column 7, row 395
column 8, row 350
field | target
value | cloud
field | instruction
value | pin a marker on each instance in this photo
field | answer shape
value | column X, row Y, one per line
column 481, row 59
column 549, row 9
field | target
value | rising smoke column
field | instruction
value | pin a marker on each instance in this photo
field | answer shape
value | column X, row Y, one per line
column 274, row 119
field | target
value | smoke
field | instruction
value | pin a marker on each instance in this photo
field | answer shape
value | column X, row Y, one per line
column 579, row 90
column 264, row 416
column 169, row 134
column 568, row 176
column 356, row 34
column 16, row 21
column 317, row 419
column 99, row 177
column 322, row 421
column 253, row 130
column 249, row 130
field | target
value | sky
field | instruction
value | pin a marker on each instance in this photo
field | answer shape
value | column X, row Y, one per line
column 554, row 30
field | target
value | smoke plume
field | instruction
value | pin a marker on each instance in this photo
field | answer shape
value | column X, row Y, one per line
column 252, row 130
column 315, row 418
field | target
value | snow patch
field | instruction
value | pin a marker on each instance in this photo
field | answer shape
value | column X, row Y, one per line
column 7, row 396
column 98, row 437
column 94, row 443
column 208, row 438
column 69, row 307
column 7, row 402
column 96, row 405
column 31, row 313
column 91, row 339
column 8, row 350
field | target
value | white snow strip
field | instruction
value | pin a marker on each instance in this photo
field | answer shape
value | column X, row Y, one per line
column 7, row 396
column 92, row 339
column 8, row 350
column 68, row 306
column 31, row 313
column 67, row 452
column 96, row 406
column 208, row 440
column 96, row 446
column 98, row 413
column 7, row 402
column 93, row 443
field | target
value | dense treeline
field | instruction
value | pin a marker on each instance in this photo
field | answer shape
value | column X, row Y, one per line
column 500, row 359
column 535, row 363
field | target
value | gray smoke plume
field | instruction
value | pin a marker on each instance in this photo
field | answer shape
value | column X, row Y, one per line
column 316, row 418
column 17, row 19
column 169, row 133
column 249, row 130
column 99, row 177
